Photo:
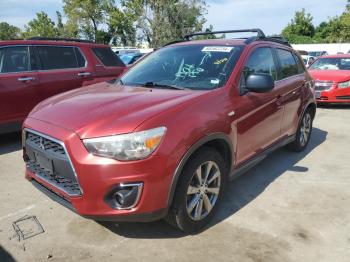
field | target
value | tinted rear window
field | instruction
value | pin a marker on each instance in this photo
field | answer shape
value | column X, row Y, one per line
column 288, row 63
column 55, row 57
column 107, row 56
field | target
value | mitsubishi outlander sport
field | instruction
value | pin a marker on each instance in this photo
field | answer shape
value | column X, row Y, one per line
column 164, row 140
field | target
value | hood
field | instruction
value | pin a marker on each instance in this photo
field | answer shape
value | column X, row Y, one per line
column 330, row 75
column 107, row 109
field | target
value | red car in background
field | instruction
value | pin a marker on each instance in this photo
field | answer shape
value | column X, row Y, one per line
column 33, row 70
column 332, row 78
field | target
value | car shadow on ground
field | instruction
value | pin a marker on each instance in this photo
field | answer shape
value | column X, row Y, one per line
column 240, row 192
column 10, row 143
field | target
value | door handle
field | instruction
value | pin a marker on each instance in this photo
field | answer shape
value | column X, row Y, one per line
column 82, row 74
column 26, row 79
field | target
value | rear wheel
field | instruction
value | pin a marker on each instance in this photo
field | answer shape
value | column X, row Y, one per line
column 198, row 192
column 303, row 134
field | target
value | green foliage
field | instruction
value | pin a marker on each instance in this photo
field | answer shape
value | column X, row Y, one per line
column 163, row 21
column 8, row 31
column 88, row 15
column 301, row 30
column 42, row 25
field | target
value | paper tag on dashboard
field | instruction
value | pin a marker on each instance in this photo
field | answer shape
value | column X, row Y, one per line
column 224, row 49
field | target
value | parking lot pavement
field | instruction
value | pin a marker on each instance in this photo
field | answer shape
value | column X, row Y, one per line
column 291, row 207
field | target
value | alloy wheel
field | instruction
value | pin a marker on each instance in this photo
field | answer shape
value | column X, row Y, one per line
column 305, row 129
column 203, row 190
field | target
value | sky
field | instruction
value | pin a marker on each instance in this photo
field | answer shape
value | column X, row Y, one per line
column 270, row 15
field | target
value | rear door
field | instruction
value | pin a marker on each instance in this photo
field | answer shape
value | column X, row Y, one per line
column 260, row 125
column 18, row 83
column 63, row 68
column 291, row 77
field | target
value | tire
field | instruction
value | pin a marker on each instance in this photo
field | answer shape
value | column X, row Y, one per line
column 303, row 134
column 194, row 205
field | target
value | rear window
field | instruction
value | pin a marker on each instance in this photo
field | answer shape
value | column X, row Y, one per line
column 289, row 66
column 107, row 56
column 56, row 57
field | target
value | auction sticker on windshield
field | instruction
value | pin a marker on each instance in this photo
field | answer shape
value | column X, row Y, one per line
column 224, row 49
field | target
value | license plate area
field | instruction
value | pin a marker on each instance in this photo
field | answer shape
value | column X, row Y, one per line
column 44, row 162
column 318, row 94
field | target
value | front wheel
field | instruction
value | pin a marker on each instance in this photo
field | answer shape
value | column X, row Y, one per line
column 303, row 134
column 198, row 192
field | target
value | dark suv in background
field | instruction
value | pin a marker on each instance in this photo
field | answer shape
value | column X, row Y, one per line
column 33, row 70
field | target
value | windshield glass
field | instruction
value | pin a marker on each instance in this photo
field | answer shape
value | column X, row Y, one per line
column 196, row 67
column 331, row 64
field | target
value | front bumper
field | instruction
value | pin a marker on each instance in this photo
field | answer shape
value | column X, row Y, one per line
column 333, row 95
column 97, row 177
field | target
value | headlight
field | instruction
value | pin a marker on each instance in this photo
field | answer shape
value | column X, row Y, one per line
column 133, row 146
column 344, row 84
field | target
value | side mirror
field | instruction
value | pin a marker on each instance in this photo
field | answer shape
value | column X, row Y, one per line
column 259, row 83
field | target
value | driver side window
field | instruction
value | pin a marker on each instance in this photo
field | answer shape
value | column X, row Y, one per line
column 261, row 62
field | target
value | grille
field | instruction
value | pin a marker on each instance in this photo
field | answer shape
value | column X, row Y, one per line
column 45, row 144
column 68, row 185
column 343, row 97
column 48, row 160
column 323, row 85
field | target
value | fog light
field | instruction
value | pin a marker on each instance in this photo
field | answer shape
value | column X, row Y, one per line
column 124, row 196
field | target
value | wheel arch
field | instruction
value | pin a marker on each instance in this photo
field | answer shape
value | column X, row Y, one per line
column 218, row 141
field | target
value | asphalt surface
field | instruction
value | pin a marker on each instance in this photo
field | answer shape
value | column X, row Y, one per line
column 291, row 207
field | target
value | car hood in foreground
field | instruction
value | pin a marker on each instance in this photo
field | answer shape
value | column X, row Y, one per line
column 331, row 75
column 106, row 109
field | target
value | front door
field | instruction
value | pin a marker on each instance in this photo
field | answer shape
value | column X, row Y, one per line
column 260, row 117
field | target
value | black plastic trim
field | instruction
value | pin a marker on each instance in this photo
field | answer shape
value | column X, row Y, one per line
column 241, row 169
column 55, row 197
column 143, row 217
column 189, row 153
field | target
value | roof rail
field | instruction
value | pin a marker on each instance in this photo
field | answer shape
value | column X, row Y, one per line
column 260, row 36
column 60, row 39
column 277, row 39
column 260, row 33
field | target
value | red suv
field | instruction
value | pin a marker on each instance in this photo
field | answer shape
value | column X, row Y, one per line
column 33, row 70
column 164, row 140
column 332, row 78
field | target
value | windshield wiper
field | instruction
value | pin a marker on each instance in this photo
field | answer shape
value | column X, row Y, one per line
column 156, row 85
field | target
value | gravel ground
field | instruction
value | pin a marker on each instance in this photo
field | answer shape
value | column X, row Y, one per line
column 291, row 207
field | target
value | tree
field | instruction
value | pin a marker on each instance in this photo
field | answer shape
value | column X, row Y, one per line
column 67, row 30
column 88, row 15
column 162, row 21
column 300, row 29
column 121, row 25
column 8, row 31
column 42, row 25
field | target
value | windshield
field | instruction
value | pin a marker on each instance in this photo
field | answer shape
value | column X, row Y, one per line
column 331, row 64
column 196, row 67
